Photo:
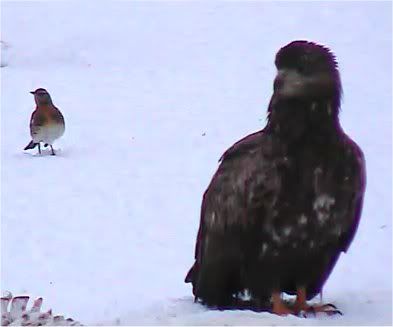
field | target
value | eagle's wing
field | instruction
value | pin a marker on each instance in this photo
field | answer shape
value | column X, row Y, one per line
column 229, row 201
column 352, row 191
column 242, row 146
column 346, row 181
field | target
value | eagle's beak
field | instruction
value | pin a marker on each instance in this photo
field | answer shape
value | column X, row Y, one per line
column 288, row 82
column 32, row 92
column 279, row 80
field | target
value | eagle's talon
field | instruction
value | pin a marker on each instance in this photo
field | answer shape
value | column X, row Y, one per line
column 333, row 312
column 309, row 312
column 328, row 309
column 331, row 305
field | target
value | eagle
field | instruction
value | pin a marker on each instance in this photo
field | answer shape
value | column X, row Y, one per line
column 285, row 201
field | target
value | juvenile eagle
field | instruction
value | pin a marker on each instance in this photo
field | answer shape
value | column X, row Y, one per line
column 285, row 201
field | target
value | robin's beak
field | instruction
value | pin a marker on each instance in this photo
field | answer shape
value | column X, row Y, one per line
column 32, row 92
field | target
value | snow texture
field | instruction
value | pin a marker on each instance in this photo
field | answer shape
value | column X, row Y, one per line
column 152, row 94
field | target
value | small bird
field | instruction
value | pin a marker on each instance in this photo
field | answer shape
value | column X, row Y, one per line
column 46, row 122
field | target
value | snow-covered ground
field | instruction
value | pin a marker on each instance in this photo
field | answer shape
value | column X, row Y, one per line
column 152, row 94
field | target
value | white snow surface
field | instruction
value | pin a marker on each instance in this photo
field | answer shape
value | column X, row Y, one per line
column 152, row 94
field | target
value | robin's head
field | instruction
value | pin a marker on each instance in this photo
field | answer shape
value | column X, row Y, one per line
column 41, row 97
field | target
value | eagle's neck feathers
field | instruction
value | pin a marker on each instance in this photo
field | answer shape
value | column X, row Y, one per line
column 299, row 120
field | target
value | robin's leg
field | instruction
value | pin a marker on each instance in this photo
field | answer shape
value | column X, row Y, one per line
column 39, row 148
column 302, row 306
column 53, row 151
column 279, row 306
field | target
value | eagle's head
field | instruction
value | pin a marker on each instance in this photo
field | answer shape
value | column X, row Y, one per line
column 307, row 71
column 307, row 90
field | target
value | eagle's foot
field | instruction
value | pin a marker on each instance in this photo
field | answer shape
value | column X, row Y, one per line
column 301, row 307
column 279, row 306
column 311, row 310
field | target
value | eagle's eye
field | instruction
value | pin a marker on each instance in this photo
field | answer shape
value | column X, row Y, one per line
column 306, row 65
column 302, row 69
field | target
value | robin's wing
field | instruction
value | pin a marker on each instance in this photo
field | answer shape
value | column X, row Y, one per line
column 57, row 116
column 37, row 120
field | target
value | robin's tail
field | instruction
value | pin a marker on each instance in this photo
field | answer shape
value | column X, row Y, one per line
column 31, row 145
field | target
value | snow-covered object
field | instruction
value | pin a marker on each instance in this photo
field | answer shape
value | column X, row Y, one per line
column 14, row 313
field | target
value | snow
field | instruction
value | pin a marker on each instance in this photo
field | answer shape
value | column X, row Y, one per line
column 152, row 94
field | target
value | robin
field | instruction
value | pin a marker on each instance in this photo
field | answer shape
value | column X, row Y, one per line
column 46, row 123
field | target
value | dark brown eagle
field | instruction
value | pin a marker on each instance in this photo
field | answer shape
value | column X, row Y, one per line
column 285, row 201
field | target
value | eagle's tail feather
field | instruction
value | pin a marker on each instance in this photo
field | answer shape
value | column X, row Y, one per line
column 190, row 275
